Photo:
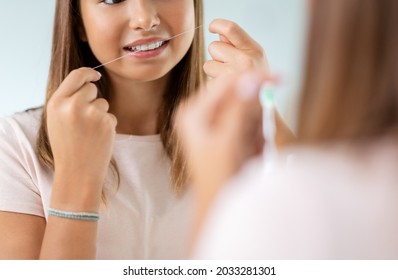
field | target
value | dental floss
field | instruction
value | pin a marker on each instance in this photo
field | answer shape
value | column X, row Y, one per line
column 183, row 33
column 269, row 126
column 110, row 61
column 138, row 51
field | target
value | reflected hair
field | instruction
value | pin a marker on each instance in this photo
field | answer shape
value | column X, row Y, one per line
column 350, row 89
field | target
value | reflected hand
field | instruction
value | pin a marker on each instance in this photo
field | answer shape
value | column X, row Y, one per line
column 220, row 130
column 235, row 52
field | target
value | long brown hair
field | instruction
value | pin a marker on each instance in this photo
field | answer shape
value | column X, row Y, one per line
column 69, row 53
column 350, row 90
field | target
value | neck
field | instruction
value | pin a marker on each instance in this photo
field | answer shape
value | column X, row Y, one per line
column 136, row 105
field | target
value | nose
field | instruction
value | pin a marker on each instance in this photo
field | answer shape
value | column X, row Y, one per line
column 143, row 15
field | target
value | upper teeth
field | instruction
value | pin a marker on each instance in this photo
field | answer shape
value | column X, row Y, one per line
column 147, row 47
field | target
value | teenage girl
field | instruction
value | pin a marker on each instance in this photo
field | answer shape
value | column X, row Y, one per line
column 97, row 172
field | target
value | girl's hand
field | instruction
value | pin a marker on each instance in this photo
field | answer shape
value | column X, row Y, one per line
column 235, row 52
column 81, row 134
column 220, row 130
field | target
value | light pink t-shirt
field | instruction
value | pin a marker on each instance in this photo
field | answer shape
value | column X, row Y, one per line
column 338, row 202
column 143, row 218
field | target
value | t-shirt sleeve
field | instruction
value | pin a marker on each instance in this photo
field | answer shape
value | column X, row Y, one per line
column 18, row 192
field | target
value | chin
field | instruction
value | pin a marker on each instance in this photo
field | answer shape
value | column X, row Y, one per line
column 142, row 77
column 148, row 74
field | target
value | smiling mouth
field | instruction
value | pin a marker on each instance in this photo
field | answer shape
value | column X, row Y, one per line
column 146, row 47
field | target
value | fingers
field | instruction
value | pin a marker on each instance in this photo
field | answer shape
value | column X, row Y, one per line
column 76, row 80
column 223, row 52
column 101, row 104
column 236, row 51
column 85, row 96
column 78, row 88
column 225, row 40
column 87, row 93
column 233, row 33
column 213, row 68
column 112, row 119
column 233, row 58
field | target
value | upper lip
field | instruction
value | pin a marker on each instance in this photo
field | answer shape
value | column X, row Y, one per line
column 144, row 42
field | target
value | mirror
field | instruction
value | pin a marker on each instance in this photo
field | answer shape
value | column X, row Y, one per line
column 25, row 28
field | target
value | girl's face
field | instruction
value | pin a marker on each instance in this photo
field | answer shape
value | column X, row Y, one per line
column 114, row 28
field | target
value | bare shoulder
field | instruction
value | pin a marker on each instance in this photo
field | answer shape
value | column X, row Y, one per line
column 21, row 235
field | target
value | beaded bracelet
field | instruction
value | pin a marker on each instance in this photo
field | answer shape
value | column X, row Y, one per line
column 74, row 215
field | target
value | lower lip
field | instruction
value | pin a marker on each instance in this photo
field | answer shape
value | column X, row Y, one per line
column 148, row 54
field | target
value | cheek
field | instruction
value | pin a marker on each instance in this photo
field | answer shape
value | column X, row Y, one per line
column 185, row 14
column 179, row 15
column 102, row 36
column 182, row 20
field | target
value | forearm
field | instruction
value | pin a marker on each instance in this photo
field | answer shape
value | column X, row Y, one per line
column 67, row 238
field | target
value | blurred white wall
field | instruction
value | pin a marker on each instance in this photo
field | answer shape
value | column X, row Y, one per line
column 25, row 32
column 26, row 26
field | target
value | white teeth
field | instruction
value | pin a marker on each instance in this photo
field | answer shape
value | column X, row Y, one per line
column 149, row 47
